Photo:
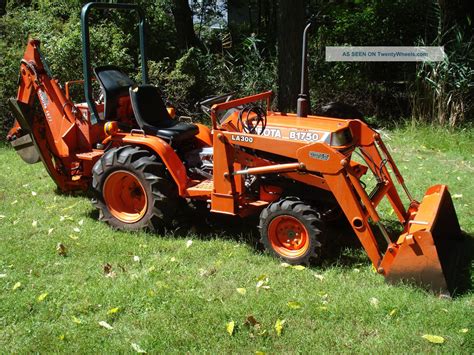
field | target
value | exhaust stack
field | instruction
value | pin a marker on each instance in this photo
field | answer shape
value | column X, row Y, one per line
column 303, row 104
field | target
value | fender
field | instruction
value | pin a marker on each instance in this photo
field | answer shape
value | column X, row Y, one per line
column 171, row 160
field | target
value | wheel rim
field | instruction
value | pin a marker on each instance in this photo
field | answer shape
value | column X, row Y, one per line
column 288, row 236
column 125, row 196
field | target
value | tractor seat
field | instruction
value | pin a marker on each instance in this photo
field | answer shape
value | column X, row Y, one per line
column 153, row 117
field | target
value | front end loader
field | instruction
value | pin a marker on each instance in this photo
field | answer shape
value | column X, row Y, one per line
column 298, row 172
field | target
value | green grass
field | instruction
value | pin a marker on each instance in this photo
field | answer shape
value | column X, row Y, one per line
column 179, row 299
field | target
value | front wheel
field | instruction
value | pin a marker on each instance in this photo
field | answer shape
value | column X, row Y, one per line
column 133, row 190
column 291, row 230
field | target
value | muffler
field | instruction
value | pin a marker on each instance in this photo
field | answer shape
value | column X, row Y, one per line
column 428, row 253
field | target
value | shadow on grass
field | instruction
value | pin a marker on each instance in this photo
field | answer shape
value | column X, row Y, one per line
column 341, row 247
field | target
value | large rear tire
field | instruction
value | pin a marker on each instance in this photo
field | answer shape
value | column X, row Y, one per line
column 133, row 190
column 291, row 230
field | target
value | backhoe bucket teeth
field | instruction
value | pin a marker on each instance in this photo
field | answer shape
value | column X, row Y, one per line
column 428, row 253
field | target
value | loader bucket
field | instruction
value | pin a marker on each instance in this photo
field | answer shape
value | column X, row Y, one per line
column 428, row 254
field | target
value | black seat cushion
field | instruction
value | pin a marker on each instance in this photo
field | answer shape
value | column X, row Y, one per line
column 114, row 84
column 153, row 117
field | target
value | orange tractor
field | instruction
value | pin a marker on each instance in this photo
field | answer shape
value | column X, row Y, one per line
column 297, row 171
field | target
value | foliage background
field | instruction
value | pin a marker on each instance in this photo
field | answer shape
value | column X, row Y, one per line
column 438, row 93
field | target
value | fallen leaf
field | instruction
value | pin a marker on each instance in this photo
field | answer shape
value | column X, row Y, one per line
column 251, row 321
column 356, row 270
column 374, row 302
column 207, row 272
column 319, row 277
column 151, row 268
column 75, row 229
column 61, row 337
column 294, row 305
column 16, row 286
column 457, row 196
column 15, row 222
column 189, row 243
column 105, row 325
column 436, row 339
column 137, row 348
column 14, row 202
column 463, row 330
column 230, row 327
column 73, row 237
column 108, row 270
column 61, row 249
column 173, row 259
column 34, row 224
column 42, row 297
column 81, row 222
column 113, row 310
column 298, row 267
column 2, row 216
column 2, row 276
column 285, row 265
column 323, row 308
column 76, row 320
column 241, row 290
column 392, row 312
column 50, row 230
column 262, row 282
column 279, row 326
column 33, row 193
column 136, row 258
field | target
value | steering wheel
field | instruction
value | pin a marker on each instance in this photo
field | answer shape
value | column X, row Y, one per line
column 252, row 124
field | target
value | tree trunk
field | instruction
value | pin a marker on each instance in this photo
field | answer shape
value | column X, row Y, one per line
column 291, row 22
column 183, row 20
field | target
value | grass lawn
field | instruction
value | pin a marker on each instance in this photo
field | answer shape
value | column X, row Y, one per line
column 166, row 294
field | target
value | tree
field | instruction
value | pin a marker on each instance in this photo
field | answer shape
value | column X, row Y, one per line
column 183, row 20
column 291, row 22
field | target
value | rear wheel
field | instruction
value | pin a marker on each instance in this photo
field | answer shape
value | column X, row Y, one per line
column 133, row 190
column 291, row 229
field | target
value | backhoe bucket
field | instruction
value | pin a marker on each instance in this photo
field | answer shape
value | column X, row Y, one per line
column 428, row 254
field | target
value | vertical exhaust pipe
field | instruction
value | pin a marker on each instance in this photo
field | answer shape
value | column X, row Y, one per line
column 302, row 104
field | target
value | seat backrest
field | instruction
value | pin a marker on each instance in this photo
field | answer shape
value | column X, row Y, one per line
column 149, row 108
column 115, row 84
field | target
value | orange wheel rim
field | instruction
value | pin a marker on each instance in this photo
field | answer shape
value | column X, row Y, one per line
column 288, row 236
column 125, row 196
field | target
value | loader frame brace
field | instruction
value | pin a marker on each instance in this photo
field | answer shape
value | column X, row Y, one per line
column 86, row 48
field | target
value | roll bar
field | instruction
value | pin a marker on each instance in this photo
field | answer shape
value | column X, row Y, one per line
column 86, row 47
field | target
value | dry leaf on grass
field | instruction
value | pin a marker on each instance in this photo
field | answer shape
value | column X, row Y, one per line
column 374, row 302
column 189, row 243
column 137, row 348
column 229, row 327
column 76, row 320
column 294, row 305
column 61, row 249
column 42, row 297
column 241, row 290
column 113, row 310
column 250, row 321
column 436, row 339
column 105, row 325
column 16, row 286
column 279, row 326
column 298, row 267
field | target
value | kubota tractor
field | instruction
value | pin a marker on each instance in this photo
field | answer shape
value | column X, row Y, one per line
column 295, row 170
